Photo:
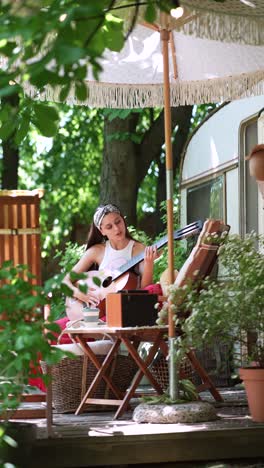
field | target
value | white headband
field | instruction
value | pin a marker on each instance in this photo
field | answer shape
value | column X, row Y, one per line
column 102, row 211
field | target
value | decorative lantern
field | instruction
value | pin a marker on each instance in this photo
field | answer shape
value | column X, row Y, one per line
column 256, row 162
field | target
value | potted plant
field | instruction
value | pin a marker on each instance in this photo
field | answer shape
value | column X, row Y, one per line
column 230, row 307
column 24, row 336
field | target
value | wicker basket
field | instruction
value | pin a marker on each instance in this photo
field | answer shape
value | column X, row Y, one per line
column 214, row 359
column 66, row 376
column 159, row 369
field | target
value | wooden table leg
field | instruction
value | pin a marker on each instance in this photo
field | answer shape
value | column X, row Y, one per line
column 143, row 370
column 101, row 367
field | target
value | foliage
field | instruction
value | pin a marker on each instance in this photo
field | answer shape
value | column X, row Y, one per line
column 231, row 307
column 70, row 256
column 200, row 113
column 24, row 336
column 187, row 392
column 18, row 120
column 68, row 171
column 56, row 43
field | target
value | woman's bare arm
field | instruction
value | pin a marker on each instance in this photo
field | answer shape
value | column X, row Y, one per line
column 91, row 256
column 146, row 267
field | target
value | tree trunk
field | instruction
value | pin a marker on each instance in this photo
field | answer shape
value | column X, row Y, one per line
column 119, row 177
column 10, row 152
column 10, row 166
column 125, row 163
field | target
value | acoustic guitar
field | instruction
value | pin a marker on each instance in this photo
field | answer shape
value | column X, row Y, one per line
column 104, row 282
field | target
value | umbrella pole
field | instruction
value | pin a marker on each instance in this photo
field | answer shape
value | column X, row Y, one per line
column 173, row 374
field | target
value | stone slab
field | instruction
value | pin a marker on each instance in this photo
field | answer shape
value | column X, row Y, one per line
column 179, row 413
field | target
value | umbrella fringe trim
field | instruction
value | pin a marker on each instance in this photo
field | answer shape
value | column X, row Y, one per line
column 127, row 96
column 228, row 22
column 226, row 27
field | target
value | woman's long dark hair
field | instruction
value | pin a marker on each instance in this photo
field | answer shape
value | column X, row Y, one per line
column 96, row 237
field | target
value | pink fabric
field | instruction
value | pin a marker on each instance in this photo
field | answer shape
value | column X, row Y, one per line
column 65, row 339
column 37, row 381
column 154, row 289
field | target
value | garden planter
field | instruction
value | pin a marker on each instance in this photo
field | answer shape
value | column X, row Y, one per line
column 253, row 378
column 256, row 162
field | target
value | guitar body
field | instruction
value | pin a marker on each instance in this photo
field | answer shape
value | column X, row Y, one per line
column 74, row 306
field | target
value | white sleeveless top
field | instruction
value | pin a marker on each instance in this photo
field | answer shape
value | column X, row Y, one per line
column 114, row 259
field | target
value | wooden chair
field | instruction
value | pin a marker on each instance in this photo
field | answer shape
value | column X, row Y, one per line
column 199, row 265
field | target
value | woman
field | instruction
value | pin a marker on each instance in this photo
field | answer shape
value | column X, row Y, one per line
column 109, row 247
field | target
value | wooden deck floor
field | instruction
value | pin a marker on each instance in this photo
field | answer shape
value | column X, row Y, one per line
column 94, row 439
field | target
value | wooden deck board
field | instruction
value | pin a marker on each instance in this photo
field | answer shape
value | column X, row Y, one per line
column 94, row 439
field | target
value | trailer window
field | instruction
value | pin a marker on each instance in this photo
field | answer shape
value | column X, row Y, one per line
column 206, row 200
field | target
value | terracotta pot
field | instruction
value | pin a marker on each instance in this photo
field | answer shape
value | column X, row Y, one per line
column 256, row 162
column 253, row 378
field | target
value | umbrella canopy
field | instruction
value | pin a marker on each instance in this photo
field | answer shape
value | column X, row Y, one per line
column 216, row 53
column 201, row 71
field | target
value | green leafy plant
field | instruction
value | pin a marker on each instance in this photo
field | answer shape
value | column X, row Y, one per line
column 24, row 335
column 230, row 307
column 187, row 392
column 69, row 256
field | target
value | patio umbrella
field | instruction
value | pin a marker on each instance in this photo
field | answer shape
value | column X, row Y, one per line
column 183, row 62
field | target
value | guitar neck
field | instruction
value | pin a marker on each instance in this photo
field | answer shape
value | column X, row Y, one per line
column 138, row 258
column 187, row 231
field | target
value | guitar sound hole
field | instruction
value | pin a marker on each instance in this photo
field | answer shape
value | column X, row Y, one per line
column 107, row 281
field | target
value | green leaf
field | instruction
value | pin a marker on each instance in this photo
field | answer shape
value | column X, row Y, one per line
column 76, row 276
column 53, row 327
column 81, row 72
column 97, row 281
column 46, row 127
column 43, row 111
column 45, row 77
column 8, row 48
column 66, row 290
column 7, row 129
column 81, row 91
column 117, row 113
column 22, row 130
column 150, row 13
column 83, row 287
column 11, row 442
column 64, row 92
column 67, row 54
column 45, row 119
column 114, row 38
column 9, row 90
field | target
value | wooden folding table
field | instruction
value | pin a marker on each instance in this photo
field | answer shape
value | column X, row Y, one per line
column 131, row 338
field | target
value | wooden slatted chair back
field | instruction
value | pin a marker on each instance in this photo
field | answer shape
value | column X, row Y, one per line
column 20, row 229
column 203, row 257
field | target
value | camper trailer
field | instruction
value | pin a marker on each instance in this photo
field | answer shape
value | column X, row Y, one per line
column 215, row 180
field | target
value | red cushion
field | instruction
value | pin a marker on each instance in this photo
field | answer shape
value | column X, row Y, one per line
column 154, row 289
column 65, row 339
